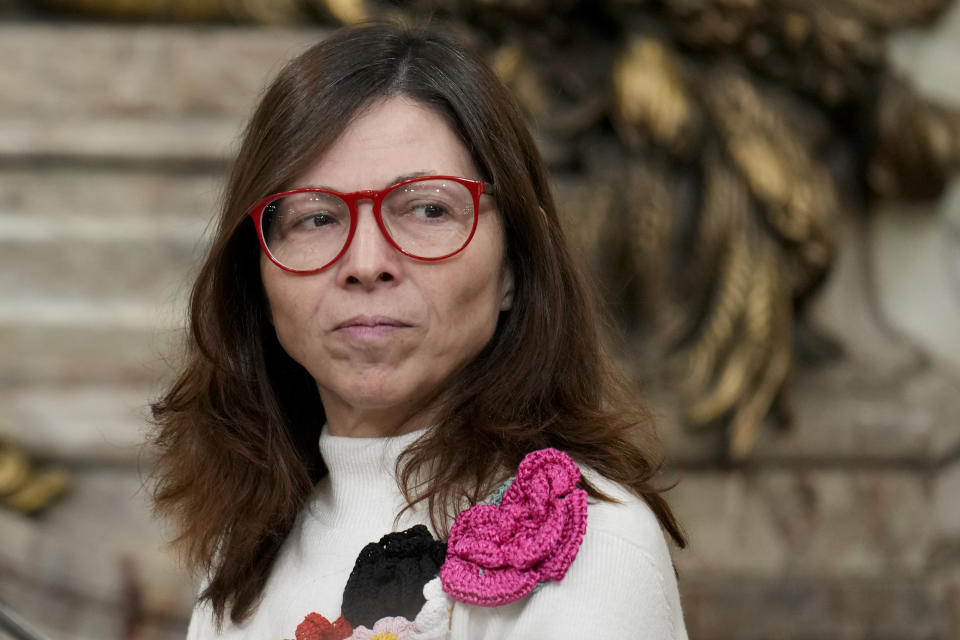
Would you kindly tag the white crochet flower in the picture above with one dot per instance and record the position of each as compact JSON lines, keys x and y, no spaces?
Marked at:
{"x":433,"y":621}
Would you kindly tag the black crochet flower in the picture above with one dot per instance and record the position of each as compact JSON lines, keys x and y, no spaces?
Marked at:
{"x":388,"y":577}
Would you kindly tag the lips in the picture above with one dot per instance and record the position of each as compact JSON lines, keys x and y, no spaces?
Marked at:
{"x":371,"y":322}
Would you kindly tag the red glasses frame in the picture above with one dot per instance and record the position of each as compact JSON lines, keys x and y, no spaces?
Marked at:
{"x":476,"y":188}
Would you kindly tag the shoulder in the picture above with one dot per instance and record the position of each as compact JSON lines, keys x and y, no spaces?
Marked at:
{"x":623,"y":568}
{"x":621,"y":583}
{"x":626,"y":517}
{"x":623,"y":536}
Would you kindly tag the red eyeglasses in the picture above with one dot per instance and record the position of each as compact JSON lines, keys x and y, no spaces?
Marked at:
{"x":426,"y":218}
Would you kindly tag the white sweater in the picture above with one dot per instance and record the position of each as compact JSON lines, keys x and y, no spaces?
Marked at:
{"x":621,"y":583}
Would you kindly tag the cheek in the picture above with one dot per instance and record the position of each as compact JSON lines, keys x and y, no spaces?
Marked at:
{"x":469,"y":310}
{"x":289,"y":313}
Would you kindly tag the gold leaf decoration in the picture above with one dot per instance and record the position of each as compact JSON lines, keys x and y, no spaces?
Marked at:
{"x":348,"y":11}
{"x":652,"y":96}
{"x":23,"y":487}
{"x":181,"y":10}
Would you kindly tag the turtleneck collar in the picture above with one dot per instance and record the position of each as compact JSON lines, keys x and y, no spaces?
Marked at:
{"x":361,"y":481}
{"x":348,"y":455}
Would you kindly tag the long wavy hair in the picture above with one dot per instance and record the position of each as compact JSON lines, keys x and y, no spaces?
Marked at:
{"x":236,"y":434}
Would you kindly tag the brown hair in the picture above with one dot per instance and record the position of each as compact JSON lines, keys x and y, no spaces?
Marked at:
{"x":237,"y":432}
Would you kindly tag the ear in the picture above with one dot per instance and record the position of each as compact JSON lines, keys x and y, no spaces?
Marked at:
{"x":506,"y":287}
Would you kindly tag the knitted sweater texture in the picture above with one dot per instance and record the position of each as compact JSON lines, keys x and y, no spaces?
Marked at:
{"x":619,"y":584}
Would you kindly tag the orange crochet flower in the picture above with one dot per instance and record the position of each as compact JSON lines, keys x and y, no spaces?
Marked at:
{"x":316,"y":627}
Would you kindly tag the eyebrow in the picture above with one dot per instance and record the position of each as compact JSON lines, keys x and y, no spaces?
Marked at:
{"x":396,"y":180}
{"x":415,"y":174}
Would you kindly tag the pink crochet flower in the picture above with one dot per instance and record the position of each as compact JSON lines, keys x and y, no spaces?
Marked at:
{"x":498,"y":554}
{"x":384,"y":629}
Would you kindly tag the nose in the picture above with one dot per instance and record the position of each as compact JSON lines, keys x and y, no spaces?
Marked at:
{"x":370,"y":259}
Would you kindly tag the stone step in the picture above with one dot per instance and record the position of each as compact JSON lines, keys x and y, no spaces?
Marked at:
{"x":901,"y":607}
{"x":138,"y":138}
{"x":835,"y":522}
{"x":94,"y":562}
{"x":149,"y":69}
{"x":147,"y":93}
{"x":61,"y":352}
{"x":115,"y":194}
{"x":78,"y":423}
{"x":81,"y":234}
{"x":835,"y":552}
{"x":139,"y":266}
{"x":85,"y":313}
{"x":842,"y":415}
{"x":79,"y":227}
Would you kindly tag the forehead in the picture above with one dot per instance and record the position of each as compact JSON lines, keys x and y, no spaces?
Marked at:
{"x":390,"y":139}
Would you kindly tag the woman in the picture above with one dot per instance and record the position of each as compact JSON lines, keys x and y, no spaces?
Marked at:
{"x":389,"y":278}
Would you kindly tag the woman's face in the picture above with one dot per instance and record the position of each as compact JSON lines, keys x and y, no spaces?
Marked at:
{"x":381,"y":332}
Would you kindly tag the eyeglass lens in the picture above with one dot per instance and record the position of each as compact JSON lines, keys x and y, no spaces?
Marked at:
{"x":425,"y":219}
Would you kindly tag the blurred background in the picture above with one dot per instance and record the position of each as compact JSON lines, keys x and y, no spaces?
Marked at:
{"x":766,"y":192}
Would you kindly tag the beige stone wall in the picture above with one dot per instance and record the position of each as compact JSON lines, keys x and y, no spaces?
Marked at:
{"x":113,"y":145}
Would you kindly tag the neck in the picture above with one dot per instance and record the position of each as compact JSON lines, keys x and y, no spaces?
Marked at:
{"x":374,"y":424}
{"x":353,"y":422}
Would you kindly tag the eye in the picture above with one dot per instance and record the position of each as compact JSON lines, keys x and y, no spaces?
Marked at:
{"x":302,"y":213}
{"x":430,"y":210}
{"x":427,"y":204}
{"x":315,"y":220}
